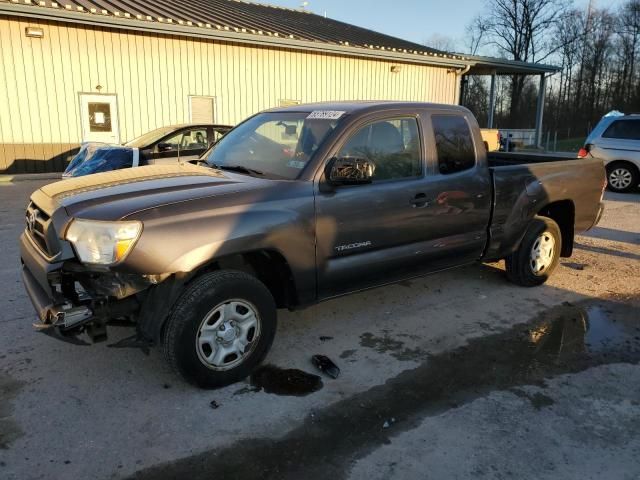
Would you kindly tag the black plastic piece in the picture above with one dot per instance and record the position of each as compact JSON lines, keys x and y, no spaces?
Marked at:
{"x":326,"y":365}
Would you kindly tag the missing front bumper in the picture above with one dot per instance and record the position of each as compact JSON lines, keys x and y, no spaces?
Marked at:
{"x":64,"y":316}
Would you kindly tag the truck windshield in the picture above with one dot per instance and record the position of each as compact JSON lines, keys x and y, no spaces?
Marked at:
{"x":276,"y":144}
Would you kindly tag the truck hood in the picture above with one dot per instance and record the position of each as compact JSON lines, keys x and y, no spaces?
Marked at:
{"x":117,"y":194}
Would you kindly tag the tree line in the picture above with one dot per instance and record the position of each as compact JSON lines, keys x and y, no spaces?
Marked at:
{"x":596,"y":49}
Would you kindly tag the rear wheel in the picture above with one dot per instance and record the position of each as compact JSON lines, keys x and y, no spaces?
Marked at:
{"x":538,"y":254}
{"x":622,"y":177}
{"x":220,"y":328}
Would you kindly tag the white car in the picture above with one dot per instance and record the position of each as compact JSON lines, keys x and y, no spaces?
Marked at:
{"x":616,"y":140}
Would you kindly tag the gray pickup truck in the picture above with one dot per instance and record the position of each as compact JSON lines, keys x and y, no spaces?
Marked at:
{"x":294,"y":206}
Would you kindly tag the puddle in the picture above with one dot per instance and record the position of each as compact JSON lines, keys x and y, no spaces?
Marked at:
{"x":564,"y":339}
{"x":573,"y":329}
{"x":281,"y":381}
{"x":9,"y":430}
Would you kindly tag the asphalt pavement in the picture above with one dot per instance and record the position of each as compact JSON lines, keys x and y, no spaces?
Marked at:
{"x":457,"y":375}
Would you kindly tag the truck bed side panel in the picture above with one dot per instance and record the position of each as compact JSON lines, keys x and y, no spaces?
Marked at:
{"x":522,"y":191}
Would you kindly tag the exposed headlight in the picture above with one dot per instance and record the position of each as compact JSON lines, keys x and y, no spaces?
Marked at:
{"x":102,"y":243}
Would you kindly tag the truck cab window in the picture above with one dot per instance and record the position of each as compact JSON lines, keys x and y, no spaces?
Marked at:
{"x":454,"y":143}
{"x":392,"y":145}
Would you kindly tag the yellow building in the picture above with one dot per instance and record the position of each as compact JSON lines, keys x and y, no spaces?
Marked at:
{"x":80,"y":70}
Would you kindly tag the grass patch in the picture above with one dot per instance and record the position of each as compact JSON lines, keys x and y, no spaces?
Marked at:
{"x":569,"y":145}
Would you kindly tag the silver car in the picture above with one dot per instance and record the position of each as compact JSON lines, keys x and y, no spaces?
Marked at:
{"x":616,"y":140}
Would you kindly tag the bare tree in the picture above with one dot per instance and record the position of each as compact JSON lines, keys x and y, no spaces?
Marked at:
{"x":476,"y":37}
{"x":519,"y":30}
{"x":441,"y":42}
{"x":597,"y":50}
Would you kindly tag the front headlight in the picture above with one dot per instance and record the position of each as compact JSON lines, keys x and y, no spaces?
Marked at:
{"x":102,"y":243}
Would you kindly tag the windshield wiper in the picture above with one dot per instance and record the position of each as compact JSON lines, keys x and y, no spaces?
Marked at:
{"x":238,"y":168}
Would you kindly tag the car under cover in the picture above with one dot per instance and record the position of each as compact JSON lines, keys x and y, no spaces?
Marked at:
{"x":100,"y":157}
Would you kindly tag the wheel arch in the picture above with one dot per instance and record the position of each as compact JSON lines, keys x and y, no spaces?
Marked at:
{"x":563,"y":212}
{"x":629,"y":163}
{"x":267,"y":265}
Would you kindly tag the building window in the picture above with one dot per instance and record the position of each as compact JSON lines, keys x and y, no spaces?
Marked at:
{"x":201,"y":109}
{"x":99,"y":117}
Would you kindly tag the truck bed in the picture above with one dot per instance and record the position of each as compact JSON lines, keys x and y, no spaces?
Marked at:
{"x":503,"y":159}
{"x":525,"y":183}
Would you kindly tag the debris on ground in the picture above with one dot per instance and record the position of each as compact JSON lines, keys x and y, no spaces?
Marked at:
{"x":575,"y":266}
{"x":214,"y":404}
{"x":324,"y":338}
{"x":388,"y":423}
{"x":326,"y":365}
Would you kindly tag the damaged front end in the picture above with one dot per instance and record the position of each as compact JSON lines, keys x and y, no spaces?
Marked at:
{"x":71,"y":298}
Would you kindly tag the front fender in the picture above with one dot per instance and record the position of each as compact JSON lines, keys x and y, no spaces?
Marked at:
{"x":183,"y":237}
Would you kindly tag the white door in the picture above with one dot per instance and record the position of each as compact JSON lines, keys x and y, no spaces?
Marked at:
{"x":99,"y":116}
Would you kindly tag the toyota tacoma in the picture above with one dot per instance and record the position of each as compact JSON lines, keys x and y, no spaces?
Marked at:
{"x":294,"y":206}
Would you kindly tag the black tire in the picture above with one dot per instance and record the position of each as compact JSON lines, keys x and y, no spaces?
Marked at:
{"x":200,"y":298}
{"x":622,"y":168}
{"x":518,"y":264}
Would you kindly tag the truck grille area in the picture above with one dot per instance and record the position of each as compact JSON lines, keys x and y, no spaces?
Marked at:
{"x":40,"y":229}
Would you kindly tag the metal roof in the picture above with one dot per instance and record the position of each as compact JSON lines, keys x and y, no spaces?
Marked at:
{"x":237,"y":16}
{"x":249,"y":23}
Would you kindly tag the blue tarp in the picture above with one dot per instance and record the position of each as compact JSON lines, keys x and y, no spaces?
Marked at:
{"x":99,"y":157}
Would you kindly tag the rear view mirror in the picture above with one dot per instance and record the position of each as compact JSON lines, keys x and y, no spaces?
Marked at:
{"x":349,"y":171}
{"x":165,"y":147}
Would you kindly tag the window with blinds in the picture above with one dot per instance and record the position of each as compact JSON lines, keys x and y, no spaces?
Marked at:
{"x":201,"y":109}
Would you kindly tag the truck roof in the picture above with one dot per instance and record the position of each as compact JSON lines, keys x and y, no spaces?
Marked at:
{"x":363,"y":106}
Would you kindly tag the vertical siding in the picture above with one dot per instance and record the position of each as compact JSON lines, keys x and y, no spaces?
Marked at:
{"x":153,"y":76}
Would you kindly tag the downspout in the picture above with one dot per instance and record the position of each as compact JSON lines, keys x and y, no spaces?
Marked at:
{"x":459,"y":74}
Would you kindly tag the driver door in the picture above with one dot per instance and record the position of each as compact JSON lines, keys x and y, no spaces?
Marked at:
{"x":367,"y":234}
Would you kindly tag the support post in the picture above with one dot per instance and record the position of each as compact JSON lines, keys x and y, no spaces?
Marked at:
{"x":540,"y":110}
{"x":492,"y":101}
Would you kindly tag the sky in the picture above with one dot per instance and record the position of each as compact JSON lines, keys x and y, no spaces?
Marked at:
{"x":415,"y":20}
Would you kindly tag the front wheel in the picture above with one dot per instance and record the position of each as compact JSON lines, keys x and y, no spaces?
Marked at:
{"x":220,"y":329}
{"x":538,"y":254}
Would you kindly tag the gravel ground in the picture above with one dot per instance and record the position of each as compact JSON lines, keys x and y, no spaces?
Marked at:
{"x":457,"y":375}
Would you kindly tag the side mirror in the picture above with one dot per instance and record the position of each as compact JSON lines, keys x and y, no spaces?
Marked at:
{"x":349,"y":171}
{"x":164,"y":147}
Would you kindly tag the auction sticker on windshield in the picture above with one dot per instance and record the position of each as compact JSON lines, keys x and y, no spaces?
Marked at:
{"x":326,"y":114}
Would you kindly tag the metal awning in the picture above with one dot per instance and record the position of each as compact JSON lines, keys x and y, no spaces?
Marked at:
{"x":497,"y":66}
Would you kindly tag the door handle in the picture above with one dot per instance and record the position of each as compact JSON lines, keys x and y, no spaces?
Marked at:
{"x":419,"y":200}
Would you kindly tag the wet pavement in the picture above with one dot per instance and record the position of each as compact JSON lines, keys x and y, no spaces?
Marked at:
{"x":568,"y":338}
{"x":458,"y":375}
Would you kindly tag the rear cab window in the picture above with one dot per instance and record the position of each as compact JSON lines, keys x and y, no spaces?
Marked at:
{"x":623,"y":129}
{"x":454,"y":143}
